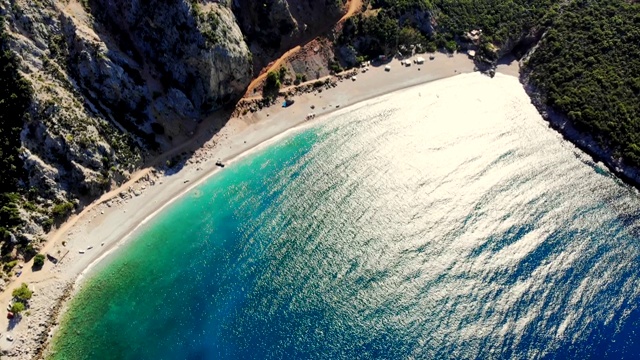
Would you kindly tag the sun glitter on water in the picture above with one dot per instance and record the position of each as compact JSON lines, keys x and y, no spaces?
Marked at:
{"x":442,"y":221}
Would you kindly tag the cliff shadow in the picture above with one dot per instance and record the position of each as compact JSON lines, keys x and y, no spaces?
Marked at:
{"x":188,"y":147}
{"x":507,"y":60}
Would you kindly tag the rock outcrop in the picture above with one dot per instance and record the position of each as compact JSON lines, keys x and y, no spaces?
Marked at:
{"x":191,"y":47}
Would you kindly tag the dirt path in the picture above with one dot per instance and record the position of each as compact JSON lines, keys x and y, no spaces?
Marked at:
{"x":273,"y":66}
{"x":354,"y":7}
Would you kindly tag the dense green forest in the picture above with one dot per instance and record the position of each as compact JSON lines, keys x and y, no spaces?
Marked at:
{"x":588,"y":64}
{"x":392,"y":23}
{"x":500,"y":20}
{"x":15,"y":97}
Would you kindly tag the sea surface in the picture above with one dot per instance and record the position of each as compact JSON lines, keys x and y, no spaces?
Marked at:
{"x":445,"y":221}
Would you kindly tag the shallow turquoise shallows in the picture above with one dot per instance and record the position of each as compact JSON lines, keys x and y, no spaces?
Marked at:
{"x":445,"y":221}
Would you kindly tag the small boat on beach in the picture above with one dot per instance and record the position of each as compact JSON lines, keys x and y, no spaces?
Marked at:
{"x":219,"y":163}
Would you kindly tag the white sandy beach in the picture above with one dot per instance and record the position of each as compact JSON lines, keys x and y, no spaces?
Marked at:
{"x":108,"y":222}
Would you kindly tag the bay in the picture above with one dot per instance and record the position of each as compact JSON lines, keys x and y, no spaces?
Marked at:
{"x":442,"y":221}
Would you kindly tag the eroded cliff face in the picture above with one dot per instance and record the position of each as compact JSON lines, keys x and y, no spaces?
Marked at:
{"x":195,"y":48}
{"x":273,"y":26}
{"x":114,"y":81}
{"x":70,"y":150}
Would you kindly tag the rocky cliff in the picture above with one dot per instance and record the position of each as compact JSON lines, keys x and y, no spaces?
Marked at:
{"x":113,"y":82}
{"x":274,"y":26}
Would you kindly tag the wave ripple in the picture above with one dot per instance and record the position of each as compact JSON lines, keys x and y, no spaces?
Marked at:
{"x":443,"y":221}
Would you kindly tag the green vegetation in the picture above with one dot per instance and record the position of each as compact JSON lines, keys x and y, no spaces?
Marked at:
{"x":300,"y":78}
{"x":17,"y":307}
{"x":85,"y":5}
{"x":62,"y":210}
{"x":588,"y":65}
{"x":282,"y":74}
{"x":38,"y":261}
{"x":8,"y":266}
{"x":209,"y":25}
{"x":29,"y":251}
{"x":15,"y":97}
{"x":22,"y":293}
{"x":58,"y":49}
{"x":335,"y":67}
{"x":378,"y":34}
{"x":500,"y":20}
{"x":9,"y":214}
{"x":272,"y":85}
{"x":399,"y":23}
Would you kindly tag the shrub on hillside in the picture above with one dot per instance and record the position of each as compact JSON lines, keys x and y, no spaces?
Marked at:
{"x":38,"y":261}
{"x":17,"y":307}
{"x":272,"y":85}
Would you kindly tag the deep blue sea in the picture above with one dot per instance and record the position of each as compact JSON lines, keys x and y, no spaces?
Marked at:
{"x":445,"y":221}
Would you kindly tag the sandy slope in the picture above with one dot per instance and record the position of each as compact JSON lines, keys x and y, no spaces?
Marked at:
{"x":107,"y":223}
{"x":354,"y":7}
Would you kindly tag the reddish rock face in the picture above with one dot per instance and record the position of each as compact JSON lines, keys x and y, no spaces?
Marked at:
{"x":273,"y":26}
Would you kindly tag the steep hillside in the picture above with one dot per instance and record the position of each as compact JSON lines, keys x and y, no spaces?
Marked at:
{"x":391,"y":25}
{"x":102,"y":86}
{"x":587,"y":67}
{"x":15,"y":95}
{"x":275,"y":26}
{"x":95,"y":88}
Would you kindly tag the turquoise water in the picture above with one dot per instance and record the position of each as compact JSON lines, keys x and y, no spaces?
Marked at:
{"x":445,"y":221}
{"x":195,"y":261}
